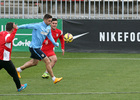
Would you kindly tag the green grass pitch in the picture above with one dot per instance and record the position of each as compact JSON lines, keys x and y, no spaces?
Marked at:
{"x":86,"y":76}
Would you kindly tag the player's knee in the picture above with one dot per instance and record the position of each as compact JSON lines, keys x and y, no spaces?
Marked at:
{"x":47,"y":61}
{"x":34,"y":64}
{"x":54,"y":59}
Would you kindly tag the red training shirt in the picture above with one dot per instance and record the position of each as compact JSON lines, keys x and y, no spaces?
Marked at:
{"x":55,"y":34}
{"x":6,"y":44}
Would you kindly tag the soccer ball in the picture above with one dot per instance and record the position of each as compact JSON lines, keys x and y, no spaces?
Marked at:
{"x":68,"y":37}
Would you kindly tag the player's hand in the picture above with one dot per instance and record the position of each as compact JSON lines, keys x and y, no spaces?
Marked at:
{"x":63,"y":51}
{"x":46,"y":42}
{"x":57,"y":44}
{"x":15,"y":26}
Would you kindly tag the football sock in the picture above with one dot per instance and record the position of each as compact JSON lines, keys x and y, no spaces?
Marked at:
{"x":19,"y":69}
{"x":46,"y":72}
{"x":53,"y":78}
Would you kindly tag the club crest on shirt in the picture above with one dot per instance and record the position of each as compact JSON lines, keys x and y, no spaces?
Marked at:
{"x":42,"y":55}
{"x":57,"y":34}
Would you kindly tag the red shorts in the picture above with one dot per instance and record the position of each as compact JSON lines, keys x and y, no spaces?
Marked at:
{"x":49,"y":53}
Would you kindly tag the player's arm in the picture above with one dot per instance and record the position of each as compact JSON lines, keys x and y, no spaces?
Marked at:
{"x":61,"y":38}
{"x":10,"y":37}
{"x":45,"y":41}
{"x":27,"y":26}
{"x":51,"y":39}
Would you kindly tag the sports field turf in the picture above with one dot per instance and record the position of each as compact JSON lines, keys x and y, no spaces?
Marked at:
{"x":86,"y":76}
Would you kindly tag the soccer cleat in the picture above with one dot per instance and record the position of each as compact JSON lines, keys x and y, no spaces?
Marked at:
{"x":45,"y":75}
{"x":22,"y":87}
{"x":57,"y":80}
{"x":18,"y":73}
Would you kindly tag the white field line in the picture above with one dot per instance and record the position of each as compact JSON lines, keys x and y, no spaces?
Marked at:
{"x":90,"y":58}
{"x":80,"y":93}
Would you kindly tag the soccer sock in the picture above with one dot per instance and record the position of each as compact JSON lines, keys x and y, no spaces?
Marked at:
{"x":53,"y":78}
{"x":46,"y":72}
{"x":19,"y":69}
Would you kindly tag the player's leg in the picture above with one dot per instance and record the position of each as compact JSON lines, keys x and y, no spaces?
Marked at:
{"x":53,"y":59}
{"x":48,"y":66}
{"x":49,"y":69}
{"x":30,"y":63}
{"x":10,"y":68}
{"x":1,"y":64}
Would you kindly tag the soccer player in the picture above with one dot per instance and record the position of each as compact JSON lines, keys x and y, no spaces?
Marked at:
{"x":39,"y":33}
{"x":48,"y":47}
{"x":6,"y":38}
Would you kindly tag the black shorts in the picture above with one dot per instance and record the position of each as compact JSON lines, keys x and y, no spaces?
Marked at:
{"x":36,"y":53}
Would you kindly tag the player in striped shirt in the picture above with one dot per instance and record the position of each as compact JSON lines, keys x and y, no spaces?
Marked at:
{"x":6,"y":38}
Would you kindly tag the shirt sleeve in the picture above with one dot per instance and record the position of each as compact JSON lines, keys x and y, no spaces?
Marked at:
{"x":27,"y":26}
{"x":61,"y":38}
{"x":10,"y":37}
{"x":51,"y":38}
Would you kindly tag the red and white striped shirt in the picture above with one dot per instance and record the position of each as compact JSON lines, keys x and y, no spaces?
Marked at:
{"x":6,"y":44}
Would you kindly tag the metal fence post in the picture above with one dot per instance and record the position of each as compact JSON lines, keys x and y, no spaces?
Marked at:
{"x":132,"y":9}
{"x":103,"y":8}
{"x":70,"y":9}
{"x":99,"y":9}
{"x":28,"y":9}
{"x":122,"y":9}
{"x":51,"y":7}
{"x":84,"y":8}
{"x":94,"y":9}
{"x":37,"y":9}
{"x":118,"y":9}
{"x":127,"y":9}
{"x":113,"y":8}
{"x":32,"y":8}
{"x":23,"y":9}
{"x":108,"y":9}
{"x":4,"y":8}
{"x":61,"y":9}
{"x":79,"y":8}
{"x":137,"y":9}
{"x":75,"y":9}
{"x":13,"y":8}
{"x":65,"y":9}
{"x":56,"y":8}
{"x":46,"y":6}
{"x":9,"y":8}
{"x":89,"y":9}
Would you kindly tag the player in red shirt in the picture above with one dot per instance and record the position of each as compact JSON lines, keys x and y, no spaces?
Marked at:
{"x":6,"y":38}
{"x":48,"y":47}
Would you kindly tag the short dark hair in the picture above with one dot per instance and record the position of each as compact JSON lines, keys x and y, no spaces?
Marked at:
{"x":9,"y":26}
{"x":54,"y":19}
{"x":47,"y":16}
